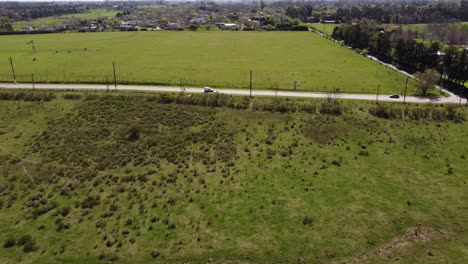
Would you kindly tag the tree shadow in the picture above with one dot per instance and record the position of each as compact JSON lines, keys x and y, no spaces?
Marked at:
{"x":457,"y":89}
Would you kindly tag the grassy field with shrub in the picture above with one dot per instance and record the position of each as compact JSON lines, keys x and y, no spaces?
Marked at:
{"x":219,"y":59}
{"x":95,"y":177}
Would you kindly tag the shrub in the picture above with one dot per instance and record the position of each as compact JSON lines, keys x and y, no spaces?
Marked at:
{"x":64,"y":211}
{"x":331,"y":107}
{"x":364,"y":153}
{"x":386,"y":111}
{"x":24,"y":239}
{"x":307,"y":221}
{"x":90,"y":202}
{"x":133,"y":133}
{"x":30,"y":246}
{"x":10,"y":242}
{"x":72,"y":96}
{"x":154,"y":254}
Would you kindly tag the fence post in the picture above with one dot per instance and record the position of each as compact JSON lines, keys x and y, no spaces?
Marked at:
{"x":115,"y":78}
{"x":406,"y":88}
{"x":13,"y":70}
{"x":378,"y":91}
{"x":250,"y":83}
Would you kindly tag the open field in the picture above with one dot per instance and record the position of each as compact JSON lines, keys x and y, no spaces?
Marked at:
{"x":135,"y":177}
{"x":57,"y":20}
{"x":325,"y":28}
{"x":423,"y":27}
{"x":219,"y":59}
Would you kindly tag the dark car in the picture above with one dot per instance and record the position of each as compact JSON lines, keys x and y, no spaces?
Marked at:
{"x":208,"y":90}
{"x":396,"y":96}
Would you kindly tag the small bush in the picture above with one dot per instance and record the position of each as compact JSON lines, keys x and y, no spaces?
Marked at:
{"x":154,"y":254}
{"x":24,"y":239}
{"x":90,"y":201}
{"x":72,"y":96}
{"x":364,"y":153}
{"x":64,"y":211}
{"x":307,"y":221}
{"x":10,"y":242}
{"x":331,"y":107}
{"x":134,"y":132}
{"x":30,"y":246}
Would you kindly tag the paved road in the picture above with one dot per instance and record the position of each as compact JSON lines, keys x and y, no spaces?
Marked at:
{"x":371,"y":97}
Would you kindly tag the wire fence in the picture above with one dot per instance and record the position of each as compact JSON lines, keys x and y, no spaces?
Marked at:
{"x":260,"y":81}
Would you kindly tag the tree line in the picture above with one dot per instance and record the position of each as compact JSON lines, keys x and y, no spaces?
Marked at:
{"x":406,"y":13}
{"x":409,"y":54}
{"x":388,"y":12}
{"x":6,"y":27}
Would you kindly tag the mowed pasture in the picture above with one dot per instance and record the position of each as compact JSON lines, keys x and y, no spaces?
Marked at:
{"x":219,"y":59}
{"x":143,"y":178}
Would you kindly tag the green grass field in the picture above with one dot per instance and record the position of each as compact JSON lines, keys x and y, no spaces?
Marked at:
{"x":219,"y":59}
{"x":57,"y":20}
{"x":423,"y":27}
{"x":325,"y":28}
{"x":128,"y":177}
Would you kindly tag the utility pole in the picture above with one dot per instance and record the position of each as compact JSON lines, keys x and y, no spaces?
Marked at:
{"x":461,"y":91}
{"x":13,"y":70}
{"x":115,"y":78}
{"x":250,"y":83}
{"x":32,"y":77}
{"x":406,"y":88}
{"x":378,"y":92}
{"x":47,"y":76}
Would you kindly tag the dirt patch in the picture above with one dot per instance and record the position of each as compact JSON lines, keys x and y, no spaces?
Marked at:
{"x":419,"y":234}
{"x":398,"y":244}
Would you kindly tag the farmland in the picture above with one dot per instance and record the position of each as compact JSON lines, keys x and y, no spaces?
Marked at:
{"x":57,"y":20}
{"x":219,"y":59}
{"x":135,"y":177}
{"x":324,"y":28}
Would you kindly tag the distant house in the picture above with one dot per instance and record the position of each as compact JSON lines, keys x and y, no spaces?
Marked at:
{"x":127,"y":26}
{"x":313,"y":19}
{"x":227,"y":26}
{"x":198,"y":20}
{"x":93,"y":26}
{"x":173,"y":26}
{"x":252,"y":23}
{"x":28,"y":28}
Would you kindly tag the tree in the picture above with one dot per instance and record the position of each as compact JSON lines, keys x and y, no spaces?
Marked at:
{"x":262,"y":5}
{"x":427,"y":80}
{"x":134,"y":132}
{"x":461,"y":74}
{"x":464,"y":10}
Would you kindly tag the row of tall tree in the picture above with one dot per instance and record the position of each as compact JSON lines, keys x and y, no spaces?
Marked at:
{"x":398,"y":12}
{"x":6,"y":27}
{"x":406,"y":12}
{"x":408,"y":53}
